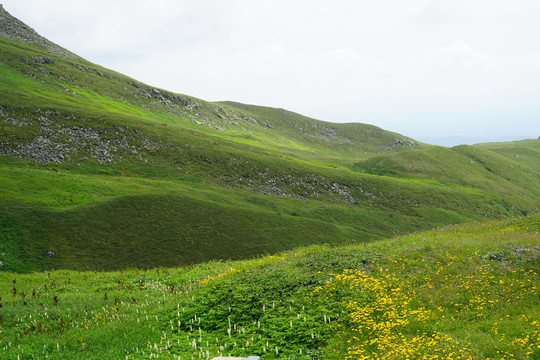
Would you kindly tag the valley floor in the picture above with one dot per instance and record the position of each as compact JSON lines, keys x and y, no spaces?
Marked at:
{"x":468,"y":292}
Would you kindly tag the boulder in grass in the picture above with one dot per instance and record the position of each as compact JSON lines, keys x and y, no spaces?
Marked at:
{"x":236,"y":358}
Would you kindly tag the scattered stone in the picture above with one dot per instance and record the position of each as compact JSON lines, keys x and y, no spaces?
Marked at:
{"x":236,"y":358}
{"x":15,"y":122}
{"x":57,"y":144}
{"x":51,"y":254}
{"x":322,"y":132}
{"x":43,"y":60}
{"x":172,"y":102}
{"x":306,"y":186}
{"x":405,"y":142}
{"x":37,"y":60}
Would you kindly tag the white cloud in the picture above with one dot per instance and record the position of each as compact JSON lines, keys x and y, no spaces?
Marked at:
{"x":460,"y":54}
{"x":471,"y":10}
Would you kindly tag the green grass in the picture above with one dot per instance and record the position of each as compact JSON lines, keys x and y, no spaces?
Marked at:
{"x":325,"y":142}
{"x":196,"y":181}
{"x":471,"y":290}
{"x":149,"y":179}
{"x":468,"y":166}
{"x":113,"y":221}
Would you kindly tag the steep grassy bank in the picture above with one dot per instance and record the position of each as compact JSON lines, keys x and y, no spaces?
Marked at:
{"x":100,"y":221}
{"x":459,"y":293}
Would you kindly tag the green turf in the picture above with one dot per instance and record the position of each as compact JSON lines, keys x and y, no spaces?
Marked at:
{"x":470,"y":291}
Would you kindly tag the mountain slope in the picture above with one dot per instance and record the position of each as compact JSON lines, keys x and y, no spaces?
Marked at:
{"x":470,"y":166}
{"x":338,"y":143}
{"x":109,"y":173}
{"x":526,"y":153}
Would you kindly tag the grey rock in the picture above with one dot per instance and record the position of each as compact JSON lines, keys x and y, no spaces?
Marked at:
{"x":42,"y":60}
{"x":15,"y":122}
{"x":306,"y":186}
{"x":39,"y":60}
{"x":57,"y":144}
{"x":51,"y":254}
{"x":236,"y":358}
{"x":405,"y":142}
{"x":172,"y":102}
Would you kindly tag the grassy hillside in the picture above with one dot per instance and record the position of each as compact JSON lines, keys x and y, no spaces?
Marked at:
{"x":526,"y":152}
{"x":467,"y":292}
{"x":487,"y":168}
{"x":324,"y":141}
{"x":64,"y":83}
{"x":109,"y":173}
{"x":112,"y":222}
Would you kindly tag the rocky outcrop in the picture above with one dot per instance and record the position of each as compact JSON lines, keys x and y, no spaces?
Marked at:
{"x":298,"y":186}
{"x":15,"y":29}
{"x":322,"y":132}
{"x":56,"y":143}
{"x":405,"y":142}
{"x":172,"y":102}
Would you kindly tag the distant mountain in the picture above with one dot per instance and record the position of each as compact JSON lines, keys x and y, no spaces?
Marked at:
{"x":464,"y":140}
{"x":100,"y":171}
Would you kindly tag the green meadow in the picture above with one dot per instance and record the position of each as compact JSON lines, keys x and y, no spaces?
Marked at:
{"x":467,"y":292}
{"x":136,"y":223}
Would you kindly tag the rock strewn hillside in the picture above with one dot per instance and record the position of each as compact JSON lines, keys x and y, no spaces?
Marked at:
{"x":12,"y":28}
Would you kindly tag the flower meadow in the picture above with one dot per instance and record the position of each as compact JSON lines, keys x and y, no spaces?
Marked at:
{"x":467,"y":292}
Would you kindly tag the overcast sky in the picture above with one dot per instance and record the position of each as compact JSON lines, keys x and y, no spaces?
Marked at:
{"x":427,"y":69}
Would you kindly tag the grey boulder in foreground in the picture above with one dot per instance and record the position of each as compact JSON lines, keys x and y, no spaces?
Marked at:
{"x":237,"y":358}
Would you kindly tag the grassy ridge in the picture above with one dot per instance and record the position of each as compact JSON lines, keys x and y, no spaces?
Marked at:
{"x":470,"y":166}
{"x":460,"y":293}
{"x":114,"y":222}
{"x":525,"y":152}
{"x":68,"y":83}
{"x":336,"y":143}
